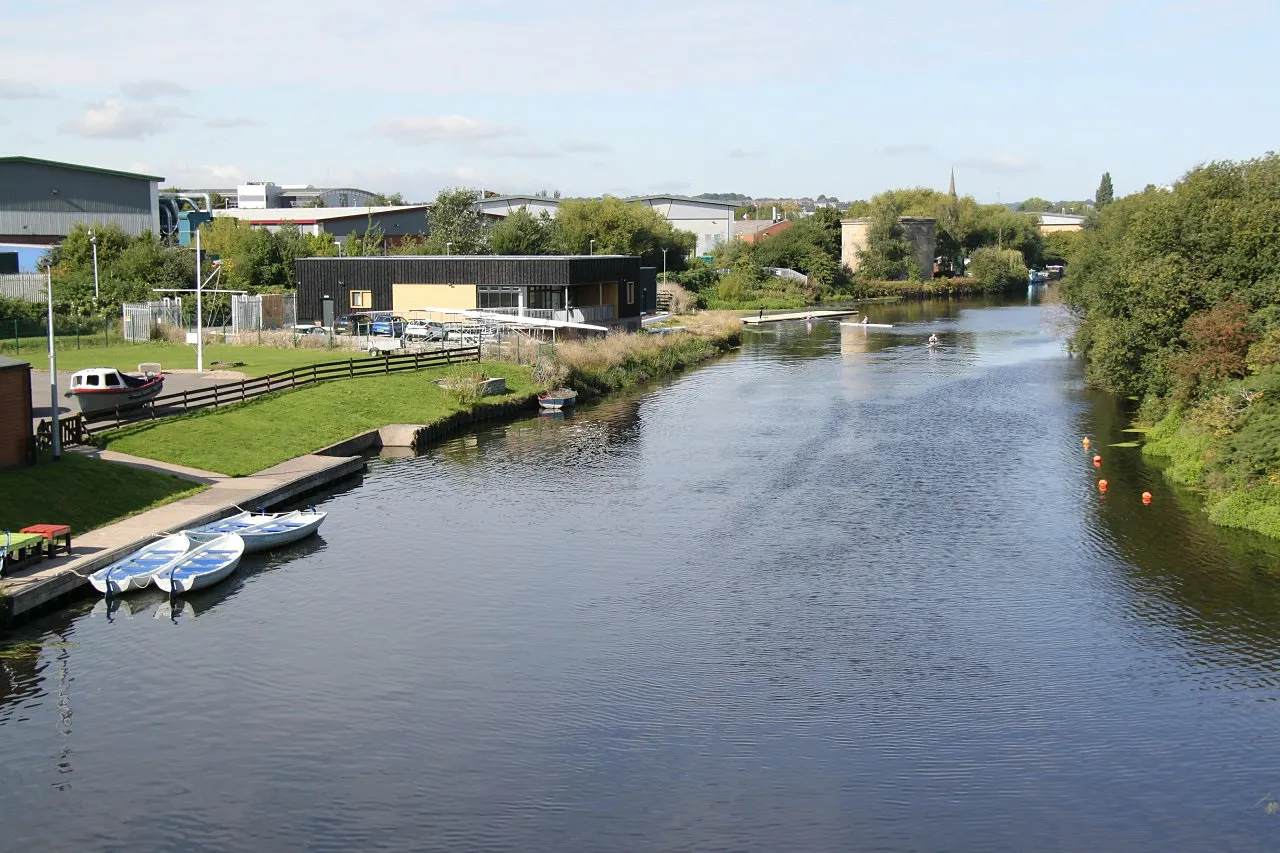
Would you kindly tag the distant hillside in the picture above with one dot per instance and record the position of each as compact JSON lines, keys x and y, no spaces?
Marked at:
{"x":724,"y":196}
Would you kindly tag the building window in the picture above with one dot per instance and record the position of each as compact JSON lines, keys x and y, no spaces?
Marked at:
{"x":492,"y":296}
{"x":631,"y":293}
{"x":545,"y":298}
{"x":361,"y":299}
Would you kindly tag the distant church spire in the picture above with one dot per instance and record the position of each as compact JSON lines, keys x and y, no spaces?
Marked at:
{"x":952,"y":190}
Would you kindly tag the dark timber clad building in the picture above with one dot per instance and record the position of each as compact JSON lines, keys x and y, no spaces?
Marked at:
{"x":607,"y":290}
{"x":41,"y":201}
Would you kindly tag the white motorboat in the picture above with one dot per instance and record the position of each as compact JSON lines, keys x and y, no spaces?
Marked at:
{"x":136,"y":570}
{"x":203,"y":566}
{"x":105,"y":389}
{"x":262,"y":532}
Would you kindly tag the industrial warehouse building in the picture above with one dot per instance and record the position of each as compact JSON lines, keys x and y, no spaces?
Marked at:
{"x":17,"y":444}
{"x":41,"y":201}
{"x":606,"y":290}
{"x":396,"y":223}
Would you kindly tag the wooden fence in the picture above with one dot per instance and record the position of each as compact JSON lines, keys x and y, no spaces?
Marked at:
{"x":77,"y":429}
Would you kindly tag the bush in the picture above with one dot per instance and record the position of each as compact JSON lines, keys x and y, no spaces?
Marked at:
{"x":997,"y":269}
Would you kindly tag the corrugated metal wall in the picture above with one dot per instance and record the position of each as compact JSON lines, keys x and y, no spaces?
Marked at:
{"x":337,"y":277}
{"x":44,"y":200}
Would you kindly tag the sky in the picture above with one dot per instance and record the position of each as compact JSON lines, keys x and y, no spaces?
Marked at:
{"x":770,"y":99}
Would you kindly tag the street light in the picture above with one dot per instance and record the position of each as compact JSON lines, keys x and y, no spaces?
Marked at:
{"x":447,"y":247}
{"x":591,"y":247}
{"x":664,"y":265}
{"x":53,"y":368}
{"x":93,"y":241}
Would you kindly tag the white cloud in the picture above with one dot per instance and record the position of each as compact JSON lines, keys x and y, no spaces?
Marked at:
{"x":583,"y":146}
{"x":16,"y":90}
{"x":1002,"y":164}
{"x":111,"y":119}
{"x":147,"y":90}
{"x":425,"y":130}
{"x":742,"y":153}
{"x":224,"y":122}
{"x":203,"y":175}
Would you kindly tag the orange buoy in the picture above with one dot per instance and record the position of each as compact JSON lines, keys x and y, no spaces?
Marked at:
{"x":1102,"y":485}
{"x":1085,"y":442}
{"x":1097,"y":461}
{"x":1146,"y":497}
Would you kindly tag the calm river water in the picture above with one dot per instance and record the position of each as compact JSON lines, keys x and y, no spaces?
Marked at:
{"x":835,"y":591}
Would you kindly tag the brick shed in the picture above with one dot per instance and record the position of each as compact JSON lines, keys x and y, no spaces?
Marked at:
{"x":17,"y":444}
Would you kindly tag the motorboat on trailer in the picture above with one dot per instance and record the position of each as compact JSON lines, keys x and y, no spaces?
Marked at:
{"x":203,"y":566}
{"x":262,"y":531}
{"x":104,"y":389}
{"x":135,"y":571}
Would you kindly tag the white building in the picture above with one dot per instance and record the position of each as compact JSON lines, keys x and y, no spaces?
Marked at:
{"x":504,"y":205}
{"x":711,"y":221}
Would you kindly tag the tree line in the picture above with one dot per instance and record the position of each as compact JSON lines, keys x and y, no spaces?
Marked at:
{"x":1176,"y":293}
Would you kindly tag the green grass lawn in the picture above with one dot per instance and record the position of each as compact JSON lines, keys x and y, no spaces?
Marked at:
{"x":249,"y":437}
{"x":258,"y":361}
{"x":82,"y":492}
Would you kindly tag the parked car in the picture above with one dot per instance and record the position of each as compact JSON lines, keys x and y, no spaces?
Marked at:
{"x":344,"y":325}
{"x":387,"y":324}
{"x":426,"y":330}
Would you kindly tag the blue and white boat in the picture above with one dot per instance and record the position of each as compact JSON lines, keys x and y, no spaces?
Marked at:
{"x":203,"y":566}
{"x":264,"y":531}
{"x":136,"y":570}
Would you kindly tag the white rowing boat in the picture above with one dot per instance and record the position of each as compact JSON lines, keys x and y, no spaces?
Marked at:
{"x":262,"y":532}
{"x":203,"y":566}
{"x":136,"y":570}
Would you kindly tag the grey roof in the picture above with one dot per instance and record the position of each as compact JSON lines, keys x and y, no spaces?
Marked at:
{"x":7,"y":363}
{"x":57,"y":164}
{"x":669,"y":197}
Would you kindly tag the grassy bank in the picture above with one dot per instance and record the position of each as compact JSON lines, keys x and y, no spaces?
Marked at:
{"x":621,"y":361}
{"x":82,"y":492}
{"x":1197,"y":453}
{"x":249,"y":437}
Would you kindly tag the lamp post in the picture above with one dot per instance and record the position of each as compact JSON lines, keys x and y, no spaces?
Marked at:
{"x":664,"y":265}
{"x":591,"y":247}
{"x":93,"y":241}
{"x":199,"y":312}
{"x":447,"y":247}
{"x":339,"y":245}
{"x":53,"y":367}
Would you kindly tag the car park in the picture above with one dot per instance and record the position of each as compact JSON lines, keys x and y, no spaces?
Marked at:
{"x":345,"y":325}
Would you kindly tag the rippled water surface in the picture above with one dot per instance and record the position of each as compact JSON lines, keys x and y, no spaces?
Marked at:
{"x":836,"y":591}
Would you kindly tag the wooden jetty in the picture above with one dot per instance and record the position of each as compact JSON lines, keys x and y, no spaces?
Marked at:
{"x":756,"y":320}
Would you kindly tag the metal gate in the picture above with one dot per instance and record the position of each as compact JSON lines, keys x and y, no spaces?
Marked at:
{"x":264,"y":311}
{"x":141,"y":318}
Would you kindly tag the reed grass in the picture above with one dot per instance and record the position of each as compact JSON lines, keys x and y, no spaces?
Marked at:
{"x":618,"y":361}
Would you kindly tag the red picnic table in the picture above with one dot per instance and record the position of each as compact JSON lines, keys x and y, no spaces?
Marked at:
{"x":52,"y":533}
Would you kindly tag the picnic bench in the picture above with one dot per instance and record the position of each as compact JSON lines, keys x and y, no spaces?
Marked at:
{"x":55,"y":536}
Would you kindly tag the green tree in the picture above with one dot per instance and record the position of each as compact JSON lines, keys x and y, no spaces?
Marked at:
{"x":370,"y":242}
{"x":1105,"y":194}
{"x":384,"y":200}
{"x":621,"y":228}
{"x":457,"y":228}
{"x":522,"y":233}
{"x":997,"y":269}
{"x":1035,"y":204}
{"x":887,"y":251}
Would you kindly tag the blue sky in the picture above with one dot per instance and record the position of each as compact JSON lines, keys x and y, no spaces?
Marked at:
{"x":1022,"y":97}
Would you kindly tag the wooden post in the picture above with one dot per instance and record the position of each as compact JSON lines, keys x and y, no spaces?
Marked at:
{"x":242,"y":391}
{"x":351,"y":368}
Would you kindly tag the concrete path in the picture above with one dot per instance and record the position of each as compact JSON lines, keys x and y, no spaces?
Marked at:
{"x":799,"y":315}
{"x":26,"y":587}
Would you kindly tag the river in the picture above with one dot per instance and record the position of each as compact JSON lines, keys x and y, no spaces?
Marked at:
{"x":835,"y":591}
